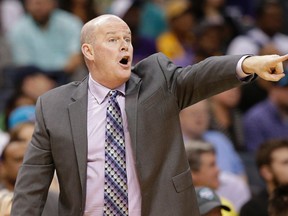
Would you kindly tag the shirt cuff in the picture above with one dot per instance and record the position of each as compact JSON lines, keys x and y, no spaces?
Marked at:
{"x":241,"y":75}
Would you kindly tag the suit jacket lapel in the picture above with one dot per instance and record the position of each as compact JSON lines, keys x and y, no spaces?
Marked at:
{"x":78,"y":119}
{"x":131,"y":101}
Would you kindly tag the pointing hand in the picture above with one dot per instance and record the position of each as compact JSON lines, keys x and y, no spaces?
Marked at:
{"x":268,"y":67}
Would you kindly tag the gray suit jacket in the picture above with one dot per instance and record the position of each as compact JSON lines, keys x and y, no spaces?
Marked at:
{"x":155,"y":94}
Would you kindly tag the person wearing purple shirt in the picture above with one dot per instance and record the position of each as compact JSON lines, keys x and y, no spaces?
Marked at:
{"x":268,"y":119}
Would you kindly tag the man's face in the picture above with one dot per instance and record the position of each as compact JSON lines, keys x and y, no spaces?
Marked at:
{"x":40,"y":10}
{"x":279,"y":166}
{"x":26,"y":132}
{"x":272,"y":19}
{"x":13,"y":159}
{"x":112,"y":52}
{"x":195,"y":119}
{"x":208,"y":173}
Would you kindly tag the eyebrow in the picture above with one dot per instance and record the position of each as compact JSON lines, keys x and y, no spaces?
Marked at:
{"x":113,"y":33}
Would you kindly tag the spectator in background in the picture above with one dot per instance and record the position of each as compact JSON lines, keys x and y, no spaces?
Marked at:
{"x":209,"y":202}
{"x":34,"y":82}
{"x":11,"y":160}
{"x":48,"y":38}
{"x":209,"y":37}
{"x":177,"y":41}
{"x":27,"y":84}
{"x":268,"y":119}
{"x":271,"y":159}
{"x":278,"y":202}
{"x":265,"y":120}
{"x":142,"y":46}
{"x":205,"y":172}
{"x":215,"y":11}
{"x":226,"y":117}
{"x":265,"y":38}
{"x":22,"y":131}
{"x":195,"y":125}
{"x":21,"y":114}
{"x":15,"y":102}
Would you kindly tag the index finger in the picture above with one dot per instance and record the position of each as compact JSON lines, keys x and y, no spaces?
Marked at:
{"x":281,"y":58}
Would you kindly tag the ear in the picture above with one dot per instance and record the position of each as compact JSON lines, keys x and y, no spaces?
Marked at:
{"x":87,"y":51}
{"x":266,"y":173}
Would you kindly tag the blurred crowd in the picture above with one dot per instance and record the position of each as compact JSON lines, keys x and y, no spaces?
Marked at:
{"x":237,"y":141}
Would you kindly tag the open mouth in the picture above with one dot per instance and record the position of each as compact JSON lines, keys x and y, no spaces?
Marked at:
{"x":124,"y":60}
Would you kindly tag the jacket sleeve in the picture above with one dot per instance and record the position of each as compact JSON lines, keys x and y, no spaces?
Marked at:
{"x":202,"y":80}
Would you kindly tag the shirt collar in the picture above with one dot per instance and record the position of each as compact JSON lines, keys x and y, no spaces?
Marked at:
{"x":99,"y":91}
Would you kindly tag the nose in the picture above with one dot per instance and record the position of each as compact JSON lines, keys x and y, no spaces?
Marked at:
{"x":124,"y":45}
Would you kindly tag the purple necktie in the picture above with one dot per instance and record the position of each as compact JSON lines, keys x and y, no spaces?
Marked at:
{"x":115,"y":187}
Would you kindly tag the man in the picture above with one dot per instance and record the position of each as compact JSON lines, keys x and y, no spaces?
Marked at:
{"x":267,"y":119}
{"x":195,"y":123}
{"x":11,"y":160}
{"x":48,"y":38}
{"x":271,"y":159}
{"x":205,"y":172}
{"x":70,"y":129}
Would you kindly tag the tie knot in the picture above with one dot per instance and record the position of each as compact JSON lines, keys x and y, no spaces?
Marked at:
{"x":113,"y":93}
